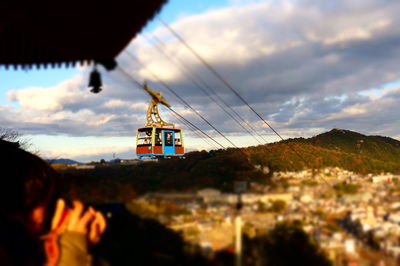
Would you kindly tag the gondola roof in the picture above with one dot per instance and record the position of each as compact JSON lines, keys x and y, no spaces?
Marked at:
{"x":43,"y":33}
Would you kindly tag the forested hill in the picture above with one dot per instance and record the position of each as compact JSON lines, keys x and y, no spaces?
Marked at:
{"x":338,"y":147}
{"x":218,"y":168}
{"x":378,"y":147}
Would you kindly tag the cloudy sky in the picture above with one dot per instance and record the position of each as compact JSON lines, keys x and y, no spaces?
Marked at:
{"x":306,"y":66}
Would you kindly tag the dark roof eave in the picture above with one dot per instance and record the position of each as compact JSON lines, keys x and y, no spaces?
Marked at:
{"x":52,"y":35}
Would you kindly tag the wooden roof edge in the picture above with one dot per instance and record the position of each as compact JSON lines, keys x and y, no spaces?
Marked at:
{"x":108,"y":64}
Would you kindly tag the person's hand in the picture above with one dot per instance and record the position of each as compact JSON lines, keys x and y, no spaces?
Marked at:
{"x":90,"y":222}
{"x":80,"y":220}
{"x":59,"y":221}
{"x":97,"y":227}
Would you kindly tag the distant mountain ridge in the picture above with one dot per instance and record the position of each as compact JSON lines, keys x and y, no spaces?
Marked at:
{"x":62,"y":160}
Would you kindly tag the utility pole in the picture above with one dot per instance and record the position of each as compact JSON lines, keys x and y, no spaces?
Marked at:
{"x":240,"y":187}
{"x":238,"y":231}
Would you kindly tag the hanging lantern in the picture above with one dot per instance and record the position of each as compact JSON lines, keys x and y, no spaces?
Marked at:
{"x":95,"y":81}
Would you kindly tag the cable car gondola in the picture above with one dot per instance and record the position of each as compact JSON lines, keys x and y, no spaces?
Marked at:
{"x":158,"y":139}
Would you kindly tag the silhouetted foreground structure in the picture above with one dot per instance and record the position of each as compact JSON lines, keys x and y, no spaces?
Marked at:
{"x":45,"y":32}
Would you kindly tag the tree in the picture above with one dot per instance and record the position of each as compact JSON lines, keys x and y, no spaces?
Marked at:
{"x":346,"y":188}
{"x":12,"y":136}
{"x":278,"y":206}
{"x":286,"y":244}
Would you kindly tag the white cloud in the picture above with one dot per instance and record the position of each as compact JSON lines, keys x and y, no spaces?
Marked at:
{"x":354,"y":110}
{"x":116,"y":103}
{"x":49,"y":99}
{"x":350,"y":34}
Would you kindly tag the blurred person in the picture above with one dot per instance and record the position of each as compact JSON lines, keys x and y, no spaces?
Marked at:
{"x":36,"y":228}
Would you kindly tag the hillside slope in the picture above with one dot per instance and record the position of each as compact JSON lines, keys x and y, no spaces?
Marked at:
{"x":343,"y":148}
{"x":218,"y":168}
{"x":377,"y":147}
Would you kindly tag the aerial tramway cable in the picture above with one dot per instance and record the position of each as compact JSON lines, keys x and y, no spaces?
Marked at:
{"x":180,"y":98}
{"x":216,"y":94}
{"x":227,"y":84}
{"x":190,"y":123}
{"x":173,"y":111}
{"x":194,"y":130}
{"x":215,"y":72}
{"x":192,"y":77}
